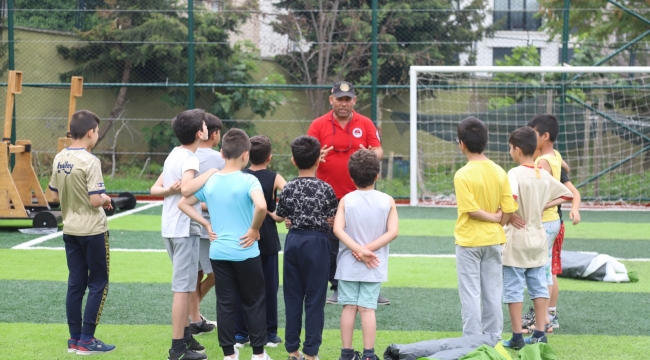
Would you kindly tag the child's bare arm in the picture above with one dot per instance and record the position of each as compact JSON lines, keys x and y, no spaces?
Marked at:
{"x":186,"y":205}
{"x":545,"y":165}
{"x":279,"y":182}
{"x":556,"y":202}
{"x":275,"y":217}
{"x":485,"y":216}
{"x":191,"y":184}
{"x":157,"y":188}
{"x":392,"y":228}
{"x":363,"y":253}
{"x":253,"y":233}
{"x":505,"y":217}
{"x":575,"y":203}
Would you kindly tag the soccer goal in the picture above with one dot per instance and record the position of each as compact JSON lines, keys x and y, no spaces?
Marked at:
{"x":604,"y":116}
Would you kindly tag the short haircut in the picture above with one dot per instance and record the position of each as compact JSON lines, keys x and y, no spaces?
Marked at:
{"x":81,"y":122}
{"x":306,"y":151}
{"x":187,"y":124}
{"x":234,"y":143}
{"x":525,"y":139}
{"x":364,"y":167}
{"x":213,"y":123}
{"x":260,"y":149}
{"x":474,"y":134}
{"x":545,"y":123}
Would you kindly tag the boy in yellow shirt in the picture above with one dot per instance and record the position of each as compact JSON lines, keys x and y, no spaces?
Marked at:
{"x":485,"y":203}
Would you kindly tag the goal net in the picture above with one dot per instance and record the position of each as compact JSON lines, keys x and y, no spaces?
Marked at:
{"x":604,"y":115}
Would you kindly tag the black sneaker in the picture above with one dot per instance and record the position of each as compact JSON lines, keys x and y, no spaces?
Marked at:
{"x":195,"y":346}
{"x":382,"y":300}
{"x":186,"y":354}
{"x":273,"y":341}
{"x":514,"y":345}
{"x":201,"y":328}
{"x":241,"y":341}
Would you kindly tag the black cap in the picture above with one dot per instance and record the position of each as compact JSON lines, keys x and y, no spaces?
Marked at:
{"x":343,"y":88}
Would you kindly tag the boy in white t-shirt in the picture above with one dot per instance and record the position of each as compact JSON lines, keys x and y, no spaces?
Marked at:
{"x":208,"y":159}
{"x":180,"y":235}
{"x":525,"y":251}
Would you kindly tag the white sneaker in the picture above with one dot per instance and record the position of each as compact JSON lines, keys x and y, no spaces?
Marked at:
{"x":233,"y":358}
{"x":265,"y":356}
{"x":209,"y":321}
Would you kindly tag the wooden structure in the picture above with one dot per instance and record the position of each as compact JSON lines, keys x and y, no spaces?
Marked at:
{"x":21,"y":196}
{"x":76,"y":90}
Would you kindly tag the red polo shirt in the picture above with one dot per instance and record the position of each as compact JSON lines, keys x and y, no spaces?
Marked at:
{"x":346,"y":140}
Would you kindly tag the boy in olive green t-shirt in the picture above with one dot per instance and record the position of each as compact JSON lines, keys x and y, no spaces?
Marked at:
{"x":485,"y":203}
{"x":78,"y":185}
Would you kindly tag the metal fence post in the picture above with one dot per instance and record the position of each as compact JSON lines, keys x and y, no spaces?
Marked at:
{"x":561,"y":140}
{"x":373,"y":96}
{"x":12,"y":66}
{"x":190,"y":54}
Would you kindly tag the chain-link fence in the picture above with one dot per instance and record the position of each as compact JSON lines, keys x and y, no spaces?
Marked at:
{"x":265,"y":66}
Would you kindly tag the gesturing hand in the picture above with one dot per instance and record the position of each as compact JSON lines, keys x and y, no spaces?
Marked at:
{"x":211,"y":234}
{"x":324,"y":151}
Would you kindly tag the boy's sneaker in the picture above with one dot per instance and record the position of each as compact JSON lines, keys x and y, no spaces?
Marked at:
{"x":195,"y":345}
{"x":555,"y":323}
{"x":209,"y":321}
{"x":382,"y":300}
{"x":514,"y":345}
{"x":301,"y":357}
{"x":534,"y":340}
{"x":334,"y":298}
{"x":241,"y":341}
{"x":273,"y":341}
{"x":236,"y":356}
{"x":72,"y":345}
{"x":94,"y":346}
{"x":201,"y":328}
{"x":356,"y":356}
{"x":186,"y":354}
{"x":264,"y":357}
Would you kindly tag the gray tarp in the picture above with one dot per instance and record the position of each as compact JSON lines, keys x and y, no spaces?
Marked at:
{"x":443,"y":349}
{"x":591,"y":266}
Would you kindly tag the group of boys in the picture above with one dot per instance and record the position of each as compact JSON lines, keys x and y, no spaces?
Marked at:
{"x":244,"y":243}
{"x":237,"y":250}
{"x":507,"y":230}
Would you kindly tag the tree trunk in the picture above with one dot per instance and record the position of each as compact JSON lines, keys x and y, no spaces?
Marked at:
{"x":118,"y":107}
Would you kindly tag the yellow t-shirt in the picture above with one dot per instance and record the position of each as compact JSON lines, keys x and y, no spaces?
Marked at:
{"x":76,"y":174}
{"x":551,"y":214}
{"x":481,"y":185}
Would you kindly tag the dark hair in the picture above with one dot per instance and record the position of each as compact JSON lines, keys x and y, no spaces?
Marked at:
{"x":234,"y":143}
{"x":525,"y":139}
{"x":260,"y":149}
{"x":187,"y":124}
{"x":306,"y":151}
{"x":81,"y":122}
{"x":545,"y":123}
{"x":474,"y":134}
{"x":364,"y":167}
{"x":213,"y":123}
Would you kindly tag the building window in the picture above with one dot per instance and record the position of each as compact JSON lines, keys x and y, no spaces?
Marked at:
{"x":559,"y":55}
{"x":499,"y":53}
{"x":516,"y":15}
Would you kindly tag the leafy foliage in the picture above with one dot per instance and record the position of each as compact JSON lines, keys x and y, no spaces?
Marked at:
{"x":521,"y":56}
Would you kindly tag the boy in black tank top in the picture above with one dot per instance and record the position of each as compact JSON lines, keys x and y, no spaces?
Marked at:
{"x":269,"y":243}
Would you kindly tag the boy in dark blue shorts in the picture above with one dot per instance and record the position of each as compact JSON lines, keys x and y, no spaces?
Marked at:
{"x":308,"y":202}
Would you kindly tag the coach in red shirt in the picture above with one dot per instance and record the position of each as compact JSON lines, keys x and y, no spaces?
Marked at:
{"x":341,"y":132}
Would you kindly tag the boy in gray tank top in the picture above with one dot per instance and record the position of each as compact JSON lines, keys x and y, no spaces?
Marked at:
{"x":366,"y":221}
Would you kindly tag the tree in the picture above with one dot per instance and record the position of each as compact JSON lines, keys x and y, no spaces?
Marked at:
{"x":150,"y":46}
{"x":332,"y":39}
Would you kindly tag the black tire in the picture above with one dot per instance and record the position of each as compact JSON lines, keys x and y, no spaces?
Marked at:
{"x":45,"y":219}
{"x":130,"y":202}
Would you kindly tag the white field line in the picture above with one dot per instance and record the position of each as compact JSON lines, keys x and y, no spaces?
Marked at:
{"x":28,"y":245}
{"x":432,"y":256}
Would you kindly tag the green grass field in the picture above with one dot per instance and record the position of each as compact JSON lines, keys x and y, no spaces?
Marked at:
{"x":598,"y":320}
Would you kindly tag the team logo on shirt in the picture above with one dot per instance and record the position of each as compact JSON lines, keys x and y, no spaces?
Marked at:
{"x":357,"y":133}
{"x":65,"y":167}
{"x":100,"y":184}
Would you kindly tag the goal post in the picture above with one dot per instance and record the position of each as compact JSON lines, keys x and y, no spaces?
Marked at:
{"x":604,"y":116}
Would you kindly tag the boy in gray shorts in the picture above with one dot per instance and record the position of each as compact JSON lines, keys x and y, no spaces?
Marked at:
{"x":366,"y":221}
{"x":208,"y":159}
{"x":180,"y":235}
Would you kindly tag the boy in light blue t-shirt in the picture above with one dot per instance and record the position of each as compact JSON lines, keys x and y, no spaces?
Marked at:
{"x":237,"y":209}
